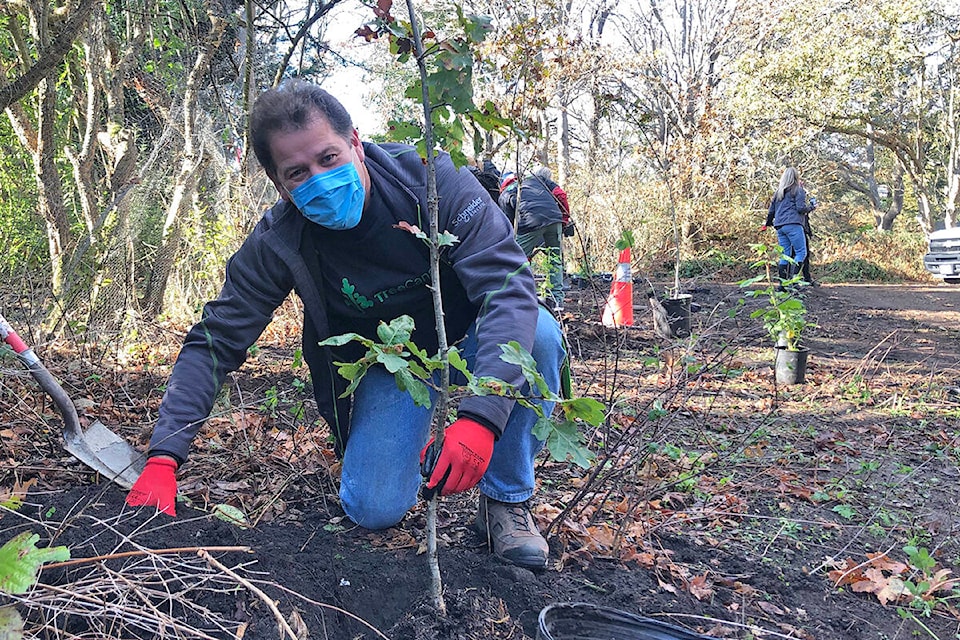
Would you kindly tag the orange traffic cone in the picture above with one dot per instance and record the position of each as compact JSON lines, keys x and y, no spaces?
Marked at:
{"x":618,"y":310}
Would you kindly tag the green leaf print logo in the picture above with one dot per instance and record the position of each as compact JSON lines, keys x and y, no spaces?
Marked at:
{"x":357,"y":300}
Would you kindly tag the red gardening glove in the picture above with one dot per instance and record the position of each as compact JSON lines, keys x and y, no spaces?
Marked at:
{"x":156,"y":486}
{"x":467,"y":447}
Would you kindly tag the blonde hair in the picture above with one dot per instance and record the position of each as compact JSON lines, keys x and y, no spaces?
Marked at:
{"x":788,"y":180}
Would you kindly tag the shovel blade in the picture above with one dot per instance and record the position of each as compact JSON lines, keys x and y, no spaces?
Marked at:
{"x":109,"y":454}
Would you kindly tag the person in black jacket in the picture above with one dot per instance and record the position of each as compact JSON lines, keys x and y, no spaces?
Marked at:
{"x":787,"y":211}
{"x":807,"y":236}
{"x":539,"y":222}
{"x":488,"y":176}
{"x":339,"y":237}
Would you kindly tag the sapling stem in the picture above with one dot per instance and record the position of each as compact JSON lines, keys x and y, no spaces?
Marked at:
{"x":440,"y":412}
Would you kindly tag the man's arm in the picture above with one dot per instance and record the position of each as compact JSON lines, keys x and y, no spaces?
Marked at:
{"x":256,"y":284}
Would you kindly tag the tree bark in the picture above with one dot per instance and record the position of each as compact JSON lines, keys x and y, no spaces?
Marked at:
{"x":186,"y":183}
{"x":50,"y":56}
{"x":52,"y":208}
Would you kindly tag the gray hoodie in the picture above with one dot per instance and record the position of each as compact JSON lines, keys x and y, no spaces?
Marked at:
{"x":485,"y":277}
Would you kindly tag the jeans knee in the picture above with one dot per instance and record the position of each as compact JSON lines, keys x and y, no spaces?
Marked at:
{"x":548,"y":341}
{"x":374,"y":515}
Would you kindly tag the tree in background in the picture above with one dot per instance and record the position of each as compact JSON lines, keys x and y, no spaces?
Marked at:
{"x":875,"y":72}
{"x":124,"y":133}
{"x":672,"y":96}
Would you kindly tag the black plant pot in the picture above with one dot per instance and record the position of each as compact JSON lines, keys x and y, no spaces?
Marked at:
{"x":791,"y":366}
{"x":582,"y":621}
{"x":678,"y":313}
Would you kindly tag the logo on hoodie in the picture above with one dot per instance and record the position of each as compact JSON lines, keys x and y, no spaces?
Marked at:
{"x":354,"y":299}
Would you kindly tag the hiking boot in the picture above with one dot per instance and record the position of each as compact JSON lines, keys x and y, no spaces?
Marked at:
{"x":511,"y":533}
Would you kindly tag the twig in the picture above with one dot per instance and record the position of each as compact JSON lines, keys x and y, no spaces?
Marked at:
{"x":266,"y":599}
{"x":143,"y":552}
{"x":97,"y":604}
{"x":774,"y":539}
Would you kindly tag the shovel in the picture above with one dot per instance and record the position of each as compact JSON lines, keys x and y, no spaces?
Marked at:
{"x":99,"y":448}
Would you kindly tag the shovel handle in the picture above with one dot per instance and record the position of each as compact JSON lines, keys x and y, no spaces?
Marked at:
{"x":10,"y":337}
{"x":71,"y":421}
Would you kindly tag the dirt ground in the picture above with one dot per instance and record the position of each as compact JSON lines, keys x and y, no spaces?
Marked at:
{"x":720,"y":502}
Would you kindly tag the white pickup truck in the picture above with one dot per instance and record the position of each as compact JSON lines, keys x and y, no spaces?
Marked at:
{"x":943,"y":255}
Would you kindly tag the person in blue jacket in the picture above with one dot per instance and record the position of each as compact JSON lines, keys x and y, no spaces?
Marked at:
{"x":788,"y":213}
{"x":336,"y":238}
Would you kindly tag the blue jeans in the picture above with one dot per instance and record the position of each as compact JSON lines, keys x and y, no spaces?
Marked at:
{"x":794,"y":242}
{"x":380,"y":476}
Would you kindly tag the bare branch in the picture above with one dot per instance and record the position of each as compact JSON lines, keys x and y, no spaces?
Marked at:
{"x":49,"y":58}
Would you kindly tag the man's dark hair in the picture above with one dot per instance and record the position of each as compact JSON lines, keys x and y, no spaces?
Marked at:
{"x":289,"y":107}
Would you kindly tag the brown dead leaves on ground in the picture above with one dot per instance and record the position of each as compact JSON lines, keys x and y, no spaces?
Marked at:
{"x":895,"y":582}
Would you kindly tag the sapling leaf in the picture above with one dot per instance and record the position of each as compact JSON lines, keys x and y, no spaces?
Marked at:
{"x":791,"y":304}
{"x":344,"y":338}
{"x":587,"y":409}
{"x":447,"y":239}
{"x":397,"y":331}
{"x":421,"y":355}
{"x":417,"y":370}
{"x":566,"y":380}
{"x":403,"y":130}
{"x":475,"y":27}
{"x":350,"y":370}
{"x":20,"y":562}
{"x":354,"y":373}
{"x":457,"y":362}
{"x":488,"y":118}
{"x":489,"y":385}
{"x":626,"y":240}
{"x":418,"y":391}
{"x":513,"y":353}
{"x":392,"y":362}
{"x":563,"y":441}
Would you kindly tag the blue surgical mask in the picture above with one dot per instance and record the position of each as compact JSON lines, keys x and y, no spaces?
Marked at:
{"x":332,"y":199}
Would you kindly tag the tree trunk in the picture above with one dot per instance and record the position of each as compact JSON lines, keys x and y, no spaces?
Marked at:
{"x":48,"y":181}
{"x":51,"y":54}
{"x":40,"y":140}
{"x":563,"y":151}
{"x":885,"y":218}
{"x":83,"y":160}
{"x":952,"y":170}
{"x":186,"y":182}
{"x":885,"y":222}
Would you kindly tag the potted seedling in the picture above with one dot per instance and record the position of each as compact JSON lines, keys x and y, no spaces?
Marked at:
{"x":783,"y":315}
{"x":677,"y":304}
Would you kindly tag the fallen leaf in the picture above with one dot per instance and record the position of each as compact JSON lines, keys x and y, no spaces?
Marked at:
{"x":298,"y":626}
{"x":795,"y":632}
{"x":887,"y":589}
{"x":700,"y":587}
{"x":770,"y":609}
{"x":666,"y":586}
